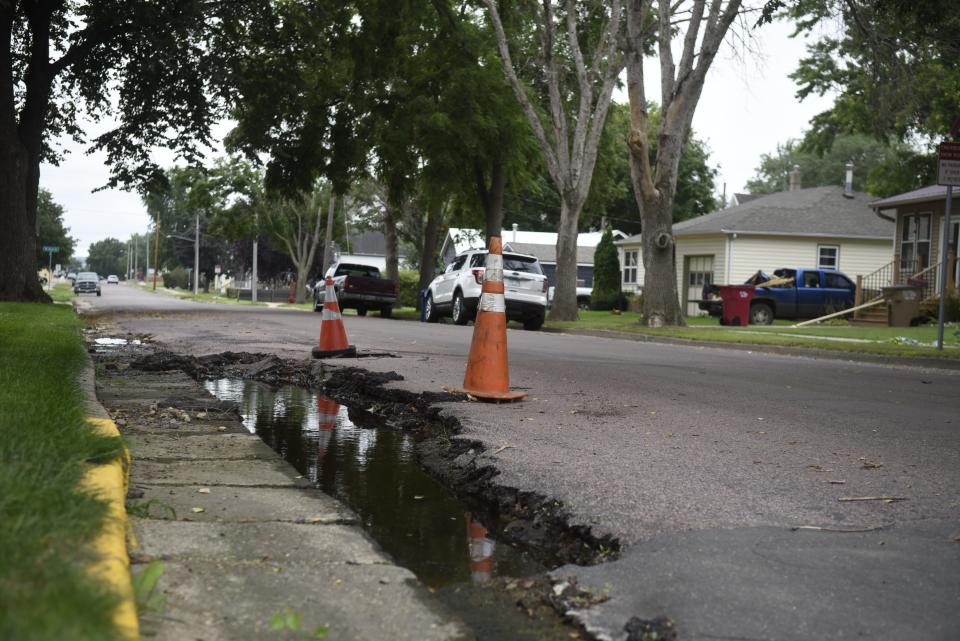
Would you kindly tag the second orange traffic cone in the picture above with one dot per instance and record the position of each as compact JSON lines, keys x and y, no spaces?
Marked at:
{"x":333,"y":336}
{"x":488,"y":372}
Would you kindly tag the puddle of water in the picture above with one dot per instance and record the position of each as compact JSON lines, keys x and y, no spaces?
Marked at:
{"x":412,"y":516}
{"x":115,"y":342}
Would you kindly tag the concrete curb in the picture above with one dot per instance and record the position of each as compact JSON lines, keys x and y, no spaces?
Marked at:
{"x":808,"y":352}
{"x":109,"y":482}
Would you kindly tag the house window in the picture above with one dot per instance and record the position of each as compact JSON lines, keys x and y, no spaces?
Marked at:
{"x":915,"y":243}
{"x":630,"y":258}
{"x":828,"y":256}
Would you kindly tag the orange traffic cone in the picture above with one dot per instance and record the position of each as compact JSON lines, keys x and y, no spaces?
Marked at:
{"x":333,"y":336}
{"x":481,"y":551}
{"x":327,"y":411}
{"x":488,"y":376}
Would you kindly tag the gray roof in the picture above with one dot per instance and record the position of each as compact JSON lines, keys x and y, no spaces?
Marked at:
{"x":817,"y":211}
{"x":924,"y":194}
{"x":743,"y":198}
{"x":548,"y":253}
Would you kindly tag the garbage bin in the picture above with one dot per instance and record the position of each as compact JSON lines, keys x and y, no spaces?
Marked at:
{"x":903,"y":304}
{"x":736,"y":304}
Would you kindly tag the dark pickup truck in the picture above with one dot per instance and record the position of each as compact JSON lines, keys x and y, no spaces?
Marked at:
{"x":358,"y":287}
{"x":790,"y":293}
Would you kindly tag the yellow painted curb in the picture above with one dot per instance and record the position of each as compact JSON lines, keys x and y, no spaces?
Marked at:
{"x":109,"y":483}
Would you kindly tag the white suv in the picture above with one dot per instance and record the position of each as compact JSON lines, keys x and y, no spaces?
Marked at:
{"x":456,"y":291}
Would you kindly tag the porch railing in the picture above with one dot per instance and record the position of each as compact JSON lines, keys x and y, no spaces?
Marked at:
{"x":900,"y":272}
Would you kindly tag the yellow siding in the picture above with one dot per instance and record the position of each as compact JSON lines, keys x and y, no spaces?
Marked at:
{"x":751,"y":253}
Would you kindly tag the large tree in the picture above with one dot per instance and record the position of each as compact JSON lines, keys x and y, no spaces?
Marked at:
{"x":565,"y":94}
{"x":704,"y":26}
{"x":52,"y":230}
{"x":151,"y":66}
{"x":880,"y":168}
{"x":894,"y":65}
{"x":108,"y":256}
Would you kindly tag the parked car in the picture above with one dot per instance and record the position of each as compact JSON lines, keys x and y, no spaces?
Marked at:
{"x":113,"y":280}
{"x":71,"y":276}
{"x":358,"y":287}
{"x":790,"y":293}
{"x":86,"y":283}
{"x":583,"y":295}
{"x":456,"y":292}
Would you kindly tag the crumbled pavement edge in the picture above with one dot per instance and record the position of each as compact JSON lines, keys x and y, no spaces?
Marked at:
{"x":108,"y":481}
{"x":533,"y":522}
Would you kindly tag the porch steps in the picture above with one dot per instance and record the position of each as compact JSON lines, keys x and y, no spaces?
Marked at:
{"x":872,"y":317}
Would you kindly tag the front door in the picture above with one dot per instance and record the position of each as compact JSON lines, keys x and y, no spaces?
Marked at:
{"x":699,"y":273}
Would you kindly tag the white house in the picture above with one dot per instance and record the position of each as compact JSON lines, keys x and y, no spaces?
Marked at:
{"x":541,"y":244}
{"x":824,"y":227}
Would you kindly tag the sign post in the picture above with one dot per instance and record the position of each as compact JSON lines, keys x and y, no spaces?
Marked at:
{"x":51,"y":250}
{"x":948,"y":174}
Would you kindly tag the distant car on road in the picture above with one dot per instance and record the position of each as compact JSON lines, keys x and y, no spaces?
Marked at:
{"x":113,"y":280}
{"x":456,"y":292}
{"x":358,"y":287}
{"x":72,"y":276}
{"x":87,"y":283}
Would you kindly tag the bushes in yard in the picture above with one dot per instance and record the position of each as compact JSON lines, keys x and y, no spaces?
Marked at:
{"x":176,"y":278}
{"x":606,"y":275}
{"x":409,"y":288}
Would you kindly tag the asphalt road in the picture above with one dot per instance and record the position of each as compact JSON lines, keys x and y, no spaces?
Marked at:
{"x":697,"y":456}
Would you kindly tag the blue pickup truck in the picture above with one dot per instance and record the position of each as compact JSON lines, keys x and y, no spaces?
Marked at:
{"x":790,"y":293}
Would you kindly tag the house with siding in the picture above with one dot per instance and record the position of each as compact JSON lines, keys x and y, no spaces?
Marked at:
{"x":919,"y":228}
{"x":824,"y":227}
{"x":541,"y":244}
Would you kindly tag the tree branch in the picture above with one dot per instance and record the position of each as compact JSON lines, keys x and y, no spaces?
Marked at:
{"x":503,"y":48}
{"x":664,"y":38}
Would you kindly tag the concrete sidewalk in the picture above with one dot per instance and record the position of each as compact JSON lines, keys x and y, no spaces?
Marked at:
{"x":242,"y":536}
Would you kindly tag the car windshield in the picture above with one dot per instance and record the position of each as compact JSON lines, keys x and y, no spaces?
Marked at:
{"x":87,"y":276}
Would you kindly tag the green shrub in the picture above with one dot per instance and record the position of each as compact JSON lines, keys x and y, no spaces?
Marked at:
{"x":952,"y":309}
{"x":409,"y":288}
{"x":177,"y":278}
{"x":606,"y":275}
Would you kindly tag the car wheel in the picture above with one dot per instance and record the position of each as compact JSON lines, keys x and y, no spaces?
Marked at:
{"x":459,"y":313}
{"x":386,"y":311}
{"x":98,"y":292}
{"x":361,"y":311}
{"x":533,"y":324}
{"x":429,"y":311}
{"x":317,"y":305}
{"x":583,"y":303}
{"x":760,"y":314}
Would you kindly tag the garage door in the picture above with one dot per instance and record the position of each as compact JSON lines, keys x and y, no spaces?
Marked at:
{"x":699,"y":270}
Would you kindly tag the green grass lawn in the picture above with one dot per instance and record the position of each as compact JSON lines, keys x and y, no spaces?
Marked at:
{"x":45,"y":446}
{"x":62,"y":293}
{"x":839,"y":337}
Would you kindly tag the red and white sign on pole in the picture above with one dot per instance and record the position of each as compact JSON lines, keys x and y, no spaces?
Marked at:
{"x":948,"y":167}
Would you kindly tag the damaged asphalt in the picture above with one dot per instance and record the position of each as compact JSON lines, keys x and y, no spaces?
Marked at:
{"x":701,"y":463}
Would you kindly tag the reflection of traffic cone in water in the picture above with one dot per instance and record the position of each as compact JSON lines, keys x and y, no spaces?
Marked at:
{"x":488,"y":375}
{"x":481,"y":551}
{"x":333,"y":336}
{"x":327,"y":409}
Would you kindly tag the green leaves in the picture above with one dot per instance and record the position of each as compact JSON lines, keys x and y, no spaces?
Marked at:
{"x":288,"y":620}
{"x":145,"y":593}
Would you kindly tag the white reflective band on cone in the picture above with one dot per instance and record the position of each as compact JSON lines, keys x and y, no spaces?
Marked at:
{"x":492,"y":303}
{"x":329,"y":314}
{"x":493,"y":274}
{"x":494,"y":261}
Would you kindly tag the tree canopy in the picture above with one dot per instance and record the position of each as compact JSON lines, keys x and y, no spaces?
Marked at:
{"x":52,"y":230}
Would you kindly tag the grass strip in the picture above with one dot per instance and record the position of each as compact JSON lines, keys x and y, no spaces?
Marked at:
{"x":46,"y":523}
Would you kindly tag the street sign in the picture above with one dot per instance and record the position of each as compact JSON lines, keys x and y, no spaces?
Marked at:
{"x":51,"y":249}
{"x":948,"y":166}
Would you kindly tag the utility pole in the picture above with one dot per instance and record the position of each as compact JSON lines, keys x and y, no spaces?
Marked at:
{"x":254,"y":283}
{"x":136,"y":246}
{"x":196,"y":256}
{"x":156,"y":247}
{"x":146,"y":263}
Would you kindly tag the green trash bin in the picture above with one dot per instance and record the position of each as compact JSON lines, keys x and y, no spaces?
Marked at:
{"x":903,"y":304}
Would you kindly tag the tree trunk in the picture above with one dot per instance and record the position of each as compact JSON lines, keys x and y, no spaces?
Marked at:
{"x":300,"y":288}
{"x":18,"y":242}
{"x":661,"y":303}
{"x":390,"y":214}
{"x":428,"y":249}
{"x":564,"y":307}
{"x":491,"y":197}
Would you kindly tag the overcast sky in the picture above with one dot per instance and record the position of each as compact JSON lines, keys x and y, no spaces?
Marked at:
{"x":748,"y":106}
